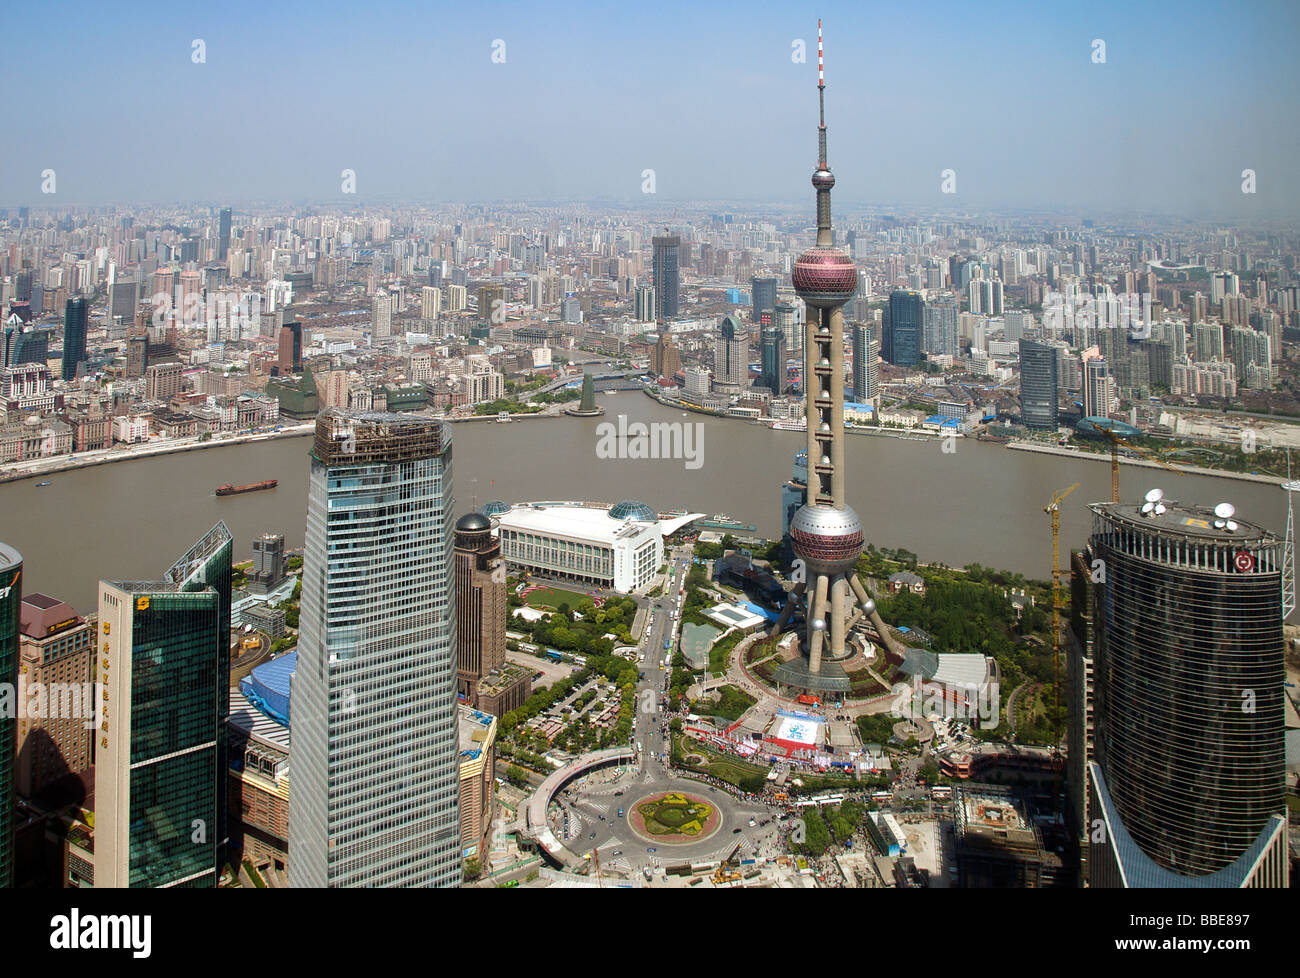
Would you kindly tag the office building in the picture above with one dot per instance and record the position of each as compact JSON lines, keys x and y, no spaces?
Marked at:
{"x":1098,"y":388}
{"x":783,"y":318}
{"x":731,"y":357}
{"x":667,"y":361}
{"x":1186,"y":783}
{"x":270,"y":565}
{"x":160,"y":756}
{"x":773,"y":375}
{"x":375,"y":752}
{"x":223,"y":233}
{"x":381,"y":316}
{"x":866,"y":363}
{"x":940,"y":333}
{"x":11,"y":596}
{"x":56,"y":655}
{"x":904,"y":328}
{"x":1038,"y":386}
{"x":74,"y":336}
{"x":645,"y":303}
{"x":480,"y":602}
{"x":763,"y":296}
{"x":290,"y":348}
{"x":667,"y":279}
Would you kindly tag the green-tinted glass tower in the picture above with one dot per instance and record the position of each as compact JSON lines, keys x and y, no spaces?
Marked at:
{"x":163,"y":665}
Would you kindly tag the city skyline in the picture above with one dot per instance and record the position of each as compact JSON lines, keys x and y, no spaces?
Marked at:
{"x":1058,"y":131}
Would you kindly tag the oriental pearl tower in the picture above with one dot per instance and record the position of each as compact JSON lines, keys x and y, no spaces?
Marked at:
{"x":826,"y":533}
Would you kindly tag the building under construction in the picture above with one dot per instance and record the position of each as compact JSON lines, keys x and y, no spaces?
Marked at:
{"x":997,"y":845}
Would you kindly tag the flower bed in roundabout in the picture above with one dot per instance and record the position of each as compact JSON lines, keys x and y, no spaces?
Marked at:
{"x":674,"y":817}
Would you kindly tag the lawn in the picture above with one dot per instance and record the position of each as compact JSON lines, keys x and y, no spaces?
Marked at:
{"x":553,"y":597}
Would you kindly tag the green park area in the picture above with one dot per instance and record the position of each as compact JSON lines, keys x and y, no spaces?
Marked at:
{"x":553,"y":597}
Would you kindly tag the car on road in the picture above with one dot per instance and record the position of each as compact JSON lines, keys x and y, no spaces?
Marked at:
{"x":651,"y":849}
{"x":592,"y":836}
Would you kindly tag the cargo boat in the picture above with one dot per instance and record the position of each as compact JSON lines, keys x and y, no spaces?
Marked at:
{"x":229,"y":490}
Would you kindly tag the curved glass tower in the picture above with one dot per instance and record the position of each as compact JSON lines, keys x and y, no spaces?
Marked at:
{"x":1188,"y":674}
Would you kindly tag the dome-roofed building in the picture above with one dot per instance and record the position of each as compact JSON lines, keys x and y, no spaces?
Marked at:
{"x":494,"y":508}
{"x":633,"y":509}
{"x":473,"y":522}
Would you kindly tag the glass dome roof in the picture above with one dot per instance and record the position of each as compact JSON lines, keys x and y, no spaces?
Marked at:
{"x":633,"y":509}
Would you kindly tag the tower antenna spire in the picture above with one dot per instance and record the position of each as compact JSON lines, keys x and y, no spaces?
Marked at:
{"x":821,"y":100}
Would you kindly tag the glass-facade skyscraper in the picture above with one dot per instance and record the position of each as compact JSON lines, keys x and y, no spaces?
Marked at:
{"x":905,"y":328}
{"x":866,"y":362}
{"x":375,"y":757}
{"x":1038,"y":386}
{"x":763,"y":293}
{"x":1187,"y":783}
{"x":773,"y":377}
{"x":667,"y":279}
{"x":223,"y":233}
{"x":74,"y":336}
{"x":11,"y":597}
{"x":160,"y":764}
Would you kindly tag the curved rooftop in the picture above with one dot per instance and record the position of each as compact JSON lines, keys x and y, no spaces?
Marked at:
{"x":633,"y":509}
{"x":495,"y":507}
{"x":472,"y":522}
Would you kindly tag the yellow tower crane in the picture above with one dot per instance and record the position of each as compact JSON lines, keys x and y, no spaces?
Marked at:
{"x":1116,"y":442}
{"x":1053,"y":509}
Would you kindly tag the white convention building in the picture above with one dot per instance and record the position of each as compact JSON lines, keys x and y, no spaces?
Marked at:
{"x":619,"y":547}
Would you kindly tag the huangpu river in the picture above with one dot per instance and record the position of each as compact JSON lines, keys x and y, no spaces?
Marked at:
{"x":981,"y":503}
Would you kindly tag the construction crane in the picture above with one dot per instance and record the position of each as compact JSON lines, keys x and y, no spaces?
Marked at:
{"x":1116,"y":442}
{"x":1053,"y":509}
{"x":595,"y":861}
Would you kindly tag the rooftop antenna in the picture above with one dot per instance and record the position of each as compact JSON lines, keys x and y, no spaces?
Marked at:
{"x":1291,"y":486}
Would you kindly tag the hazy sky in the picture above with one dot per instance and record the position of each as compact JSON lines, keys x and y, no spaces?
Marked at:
{"x":590,"y":95}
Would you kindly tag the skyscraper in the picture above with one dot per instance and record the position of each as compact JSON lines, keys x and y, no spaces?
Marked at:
{"x":160,"y":763}
{"x":763,"y":293}
{"x":667,"y":281}
{"x":667,"y":361}
{"x":11,"y":597}
{"x":773,"y":376}
{"x":1187,"y":784}
{"x":74,"y":336}
{"x":223,"y":233}
{"x":1097,"y":387}
{"x":1038,"y":386}
{"x":645,"y":303}
{"x":940,"y":318}
{"x":731,"y":357}
{"x":480,"y":602}
{"x":866,"y":362}
{"x":904,"y":331}
{"x":375,"y":754}
{"x":381,"y":316}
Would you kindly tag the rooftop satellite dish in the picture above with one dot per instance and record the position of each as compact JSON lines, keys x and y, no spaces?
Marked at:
{"x":1155,"y":495}
{"x":1219,"y":524}
{"x":1224,"y":510}
{"x":1232,"y":524}
{"x":1148,"y":507}
{"x":1160,"y":508}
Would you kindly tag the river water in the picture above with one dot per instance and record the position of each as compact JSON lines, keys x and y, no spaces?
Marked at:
{"x":983,"y":503}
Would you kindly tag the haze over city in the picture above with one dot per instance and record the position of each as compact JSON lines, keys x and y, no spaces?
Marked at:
{"x":1007,"y":95}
